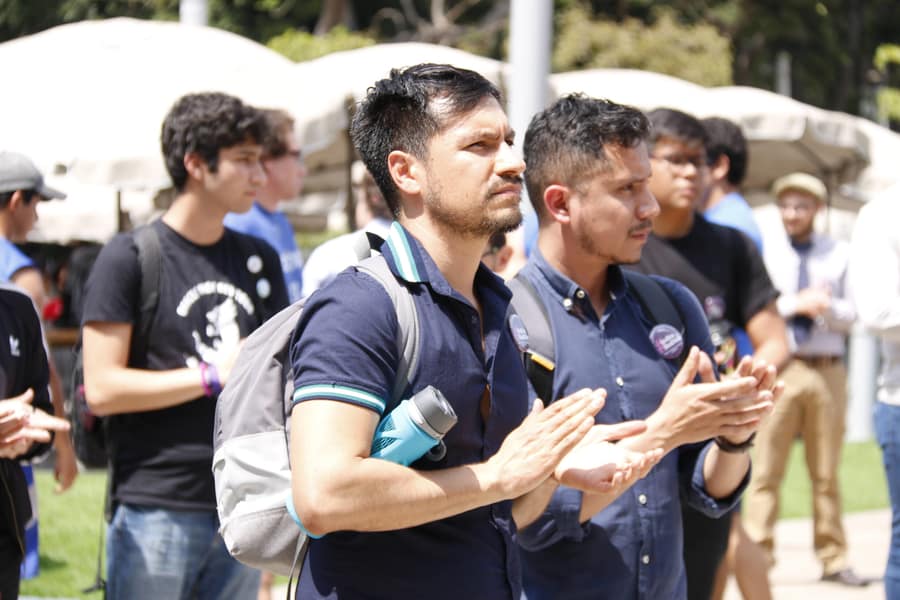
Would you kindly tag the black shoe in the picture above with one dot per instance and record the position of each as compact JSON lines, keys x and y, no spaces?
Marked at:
{"x":846,"y":577}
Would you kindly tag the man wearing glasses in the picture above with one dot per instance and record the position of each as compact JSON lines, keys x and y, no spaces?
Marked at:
{"x":725,"y":271}
{"x":283,"y":163}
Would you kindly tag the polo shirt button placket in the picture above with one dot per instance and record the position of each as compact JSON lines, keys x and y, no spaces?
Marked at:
{"x":620,"y":382}
{"x":645,"y":559}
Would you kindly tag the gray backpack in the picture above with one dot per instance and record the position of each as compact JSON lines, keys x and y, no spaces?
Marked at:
{"x":251,"y":464}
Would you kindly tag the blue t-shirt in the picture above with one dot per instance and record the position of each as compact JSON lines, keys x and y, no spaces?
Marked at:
{"x":346,"y":351}
{"x":12,"y":260}
{"x":733,"y":211}
{"x":632,"y":548}
{"x":274,"y":228}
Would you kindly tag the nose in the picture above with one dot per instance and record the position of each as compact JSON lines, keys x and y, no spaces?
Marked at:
{"x":648,"y":206}
{"x":258,"y":174}
{"x":509,"y":162}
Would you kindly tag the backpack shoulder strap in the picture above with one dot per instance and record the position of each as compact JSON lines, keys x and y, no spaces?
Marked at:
{"x":656,"y":303}
{"x":408,"y":333}
{"x":540,"y":357}
{"x":149,"y":253}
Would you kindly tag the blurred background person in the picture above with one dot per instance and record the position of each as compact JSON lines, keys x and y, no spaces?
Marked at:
{"x":372,"y":216}
{"x":21,"y":188}
{"x":282,"y":162}
{"x":810,"y":271}
{"x":875,"y":288}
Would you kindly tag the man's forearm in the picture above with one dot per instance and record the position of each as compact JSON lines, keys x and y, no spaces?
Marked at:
{"x":527,"y":508}
{"x":123,"y":390}
{"x":724,"y":471}
{"x":377,"y":495}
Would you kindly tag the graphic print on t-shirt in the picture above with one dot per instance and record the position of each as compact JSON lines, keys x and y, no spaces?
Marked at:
{"x":215,"y":331}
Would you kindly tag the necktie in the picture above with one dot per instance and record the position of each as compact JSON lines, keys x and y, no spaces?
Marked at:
{"x":801,"y":324}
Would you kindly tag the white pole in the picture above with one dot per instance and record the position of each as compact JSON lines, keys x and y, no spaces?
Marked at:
{"x":530,"y":33}
{"x":861,"y":386}
{"x":193,"y":12}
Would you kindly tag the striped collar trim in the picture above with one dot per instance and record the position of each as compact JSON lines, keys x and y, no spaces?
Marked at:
{"x":401,"y":247}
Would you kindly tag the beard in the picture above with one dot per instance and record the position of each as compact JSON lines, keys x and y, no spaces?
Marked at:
{"x":471,"y":223}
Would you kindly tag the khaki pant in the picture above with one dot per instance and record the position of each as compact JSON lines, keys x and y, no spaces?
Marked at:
{"x":814,"y":407}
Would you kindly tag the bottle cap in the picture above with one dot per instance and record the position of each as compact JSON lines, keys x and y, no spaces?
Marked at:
{"x":435,"y":410}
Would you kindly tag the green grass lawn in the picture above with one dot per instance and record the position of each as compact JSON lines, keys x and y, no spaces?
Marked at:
{"x":69,"y":522}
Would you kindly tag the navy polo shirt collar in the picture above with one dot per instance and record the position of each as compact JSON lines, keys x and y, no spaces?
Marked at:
{"x":572,"y":295}
{"x":409,"y":261}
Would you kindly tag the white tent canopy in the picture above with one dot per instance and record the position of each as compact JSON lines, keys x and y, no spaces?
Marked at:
{"x":92,"y":96}
{"x":104,"y":87}
{"x":784,"y":135}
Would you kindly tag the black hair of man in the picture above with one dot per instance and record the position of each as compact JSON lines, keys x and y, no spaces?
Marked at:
{"x":6,"y":197}
{"x":567,"y":142}
{"x":406,"y":109}
{"x":205,"y":124}
{"x":724,"y":137}
{"x":675,"y":125}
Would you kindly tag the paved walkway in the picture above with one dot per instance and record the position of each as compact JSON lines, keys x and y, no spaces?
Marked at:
{"x":796,"y":574}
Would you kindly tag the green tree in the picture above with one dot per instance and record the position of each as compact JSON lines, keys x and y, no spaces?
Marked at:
{"x":887,"y":61}
{"x":695,"y":52}
{"x":302,"y":45}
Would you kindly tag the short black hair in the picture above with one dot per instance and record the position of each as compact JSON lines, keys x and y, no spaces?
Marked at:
{"x":6,"y":197}
{"x":675,"y":125}
{"x":206,"y":123}
{"x":724,"y":137}
{"x":566,"y":142}
{"x":398,"y":114}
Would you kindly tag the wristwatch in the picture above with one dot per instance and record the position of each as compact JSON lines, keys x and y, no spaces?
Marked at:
{"x":732,"y":448}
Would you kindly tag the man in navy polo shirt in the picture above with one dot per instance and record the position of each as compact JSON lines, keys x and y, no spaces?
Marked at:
{"x":588,"y":172}
{"x":438,"y":143}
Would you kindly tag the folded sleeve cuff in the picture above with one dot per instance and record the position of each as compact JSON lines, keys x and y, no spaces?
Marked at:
{"x":561,"y":520}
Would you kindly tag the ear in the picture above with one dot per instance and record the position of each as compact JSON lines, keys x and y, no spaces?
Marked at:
{"x":406,"y":171}
{"x":16,"y":201}
{"x":556,"y":200}
{"x":195,"y":166}
{"x":719,"y":169}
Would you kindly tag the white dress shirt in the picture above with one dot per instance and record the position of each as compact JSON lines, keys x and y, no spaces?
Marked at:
{"x":335,"y":255}
{"x":875,"y":277}
{"x":827,"y":262}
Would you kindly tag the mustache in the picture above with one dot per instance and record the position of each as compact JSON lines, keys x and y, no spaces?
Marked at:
{"x":642,"y":227}
{"x":506,"y":181}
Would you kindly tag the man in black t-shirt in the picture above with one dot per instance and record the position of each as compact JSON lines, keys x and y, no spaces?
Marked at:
{"x":725,"y":271}
{"x":215,"y":287}
{"x":25,"y":426}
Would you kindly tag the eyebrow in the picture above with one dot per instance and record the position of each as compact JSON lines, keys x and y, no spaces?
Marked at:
{"x":488,"y":133}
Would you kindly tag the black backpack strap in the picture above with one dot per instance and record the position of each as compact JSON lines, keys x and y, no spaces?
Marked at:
{"x":656,"y":303}
{"x":540,"y":357}
{"x":149,"y":251}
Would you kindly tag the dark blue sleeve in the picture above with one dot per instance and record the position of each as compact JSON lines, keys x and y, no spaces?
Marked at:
{"x":345,"y":346}
{"x":692,"y":456}
{"x":38,"y":372}
{"x":561,"y":519}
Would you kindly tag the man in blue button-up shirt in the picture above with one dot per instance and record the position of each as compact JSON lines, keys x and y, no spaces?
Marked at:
{"x":587,"y":177}
{"x":438,"y":144}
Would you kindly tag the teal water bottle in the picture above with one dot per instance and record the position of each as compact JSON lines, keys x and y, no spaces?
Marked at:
{"x":415,"y":427}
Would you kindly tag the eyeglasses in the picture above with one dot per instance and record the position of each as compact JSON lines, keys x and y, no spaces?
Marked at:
{"x":681,"y":161}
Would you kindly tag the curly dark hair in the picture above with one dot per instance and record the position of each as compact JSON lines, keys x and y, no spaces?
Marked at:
{"x":566,"y":142}
{"x":398,"y":114}
{"x":206,"y":123}
{"x":724,"y":137}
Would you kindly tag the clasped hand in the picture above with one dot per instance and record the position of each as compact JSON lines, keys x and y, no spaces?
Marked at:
{"x":21,"y":425}
{"x":732,"y":408}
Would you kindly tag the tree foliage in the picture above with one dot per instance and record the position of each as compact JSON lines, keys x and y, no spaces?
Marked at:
{"x":302,"y":45}
{"x":695,"y":52}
